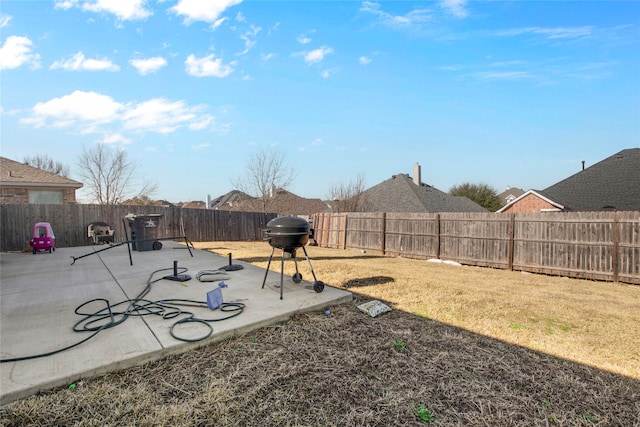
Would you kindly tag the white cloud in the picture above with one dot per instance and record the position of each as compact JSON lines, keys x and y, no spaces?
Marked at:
{"x":199,"y":10}
{"x":77,"y":108}
{"x":248,"y":41}
{"x":315,"y":143}
{"x":4,"y":20}
{"x":124,"y":10}
{"x":65,"y":4}
{"x":304,"y":38}
{"x":148,"y":65}
{"x":78,"y":62}
{"x":455,"y":7}
{"x":207,"y":66}
{"x":91,"y":112}
{"x":414,"y":16}
{"x":551,"y":33}
{"x":316,"y":55}
{"x":159,"y":115}
{"x":218,"y":22}
{"x":16,"y":51}
{"x":201,"y":146}
{"x":115,"y":138}
{"x":364,"y":60}
{"x":202,"y":122}
{"x":503,"y":75}
{"x":240,"y":17}
{"x":267,"y":56}
{"x":328,"y":72}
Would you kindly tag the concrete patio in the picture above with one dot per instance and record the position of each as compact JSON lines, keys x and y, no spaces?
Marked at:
{"x":39,"y":294}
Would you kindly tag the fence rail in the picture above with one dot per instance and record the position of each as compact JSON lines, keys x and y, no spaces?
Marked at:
{"x":70,"y":222}
{"x":589,"y":245}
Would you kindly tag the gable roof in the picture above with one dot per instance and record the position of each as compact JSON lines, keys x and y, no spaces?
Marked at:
{"x":510,"y":194}
{"x":400,"y":194}
{"x":555,"y":205}
{"x":16,"y":174}
{"x":613,"y":183}
{"x":282,"y":203}
{"x":229,"y":199}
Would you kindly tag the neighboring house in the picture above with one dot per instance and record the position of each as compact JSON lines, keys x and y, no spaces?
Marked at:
{"x":510,"y":194}
{"x":197,"y":204}
{"x":401,"y":193}
{"x":228,"y":200}
{"x":282,"y":203}
{"x":21,"y":183}
{"x":611,"y":184}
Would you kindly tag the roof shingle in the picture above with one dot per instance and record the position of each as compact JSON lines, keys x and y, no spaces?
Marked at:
{"x":400,"y":194}
{"x":613,"y":183}
{"x":14,"y":173}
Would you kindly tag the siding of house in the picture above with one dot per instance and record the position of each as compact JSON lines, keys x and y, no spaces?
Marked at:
{"x":14,"y":195}
{"x":530,"y":203}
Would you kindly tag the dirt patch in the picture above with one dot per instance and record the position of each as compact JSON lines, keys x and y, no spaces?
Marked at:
{"x":368,"y":281}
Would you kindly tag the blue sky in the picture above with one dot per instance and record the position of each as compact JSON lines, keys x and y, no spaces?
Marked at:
{"x":497,"y":92}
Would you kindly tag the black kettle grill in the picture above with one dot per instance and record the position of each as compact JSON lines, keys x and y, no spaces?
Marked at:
{"x":289,"y":233}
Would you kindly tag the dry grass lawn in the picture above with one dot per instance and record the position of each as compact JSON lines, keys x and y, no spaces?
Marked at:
{"x":462,"y":346}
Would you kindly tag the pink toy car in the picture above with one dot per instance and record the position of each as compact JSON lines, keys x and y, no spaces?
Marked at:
{"x":43,"y":238}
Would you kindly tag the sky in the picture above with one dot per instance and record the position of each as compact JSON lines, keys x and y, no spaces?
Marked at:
{"x":503,"y":93}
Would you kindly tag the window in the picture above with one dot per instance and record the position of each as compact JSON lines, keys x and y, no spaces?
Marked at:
{"x":52,"y":197}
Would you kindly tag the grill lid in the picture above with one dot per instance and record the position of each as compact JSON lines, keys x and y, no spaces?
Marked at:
{"x":287,"y":225}
{"x":287,"y":232}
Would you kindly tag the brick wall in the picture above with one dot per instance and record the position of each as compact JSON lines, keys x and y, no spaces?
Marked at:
{"x":15,"y":195}
{"x":530,"y":203}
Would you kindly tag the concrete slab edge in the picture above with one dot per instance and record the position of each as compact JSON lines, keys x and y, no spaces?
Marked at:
{"x":8,"y":398}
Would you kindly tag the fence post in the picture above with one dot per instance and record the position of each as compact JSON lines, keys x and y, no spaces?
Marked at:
{"x":437,"y":239}
{"x":346,"y":222}
{"x":384,"y":232}
{"x":512,"y":233}
{"x":615,"y":235}
{"x":319,"y":229}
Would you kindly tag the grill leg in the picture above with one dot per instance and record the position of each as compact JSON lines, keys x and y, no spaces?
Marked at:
{"x":268,"y":265}
{"x":282,"y":276}
{"x":310,"y":266}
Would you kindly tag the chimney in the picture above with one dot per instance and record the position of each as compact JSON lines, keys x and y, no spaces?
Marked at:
{"x":417,"y":179}
{"x":583,"y":165}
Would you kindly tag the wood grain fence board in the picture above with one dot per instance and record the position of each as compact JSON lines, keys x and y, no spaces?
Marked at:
{"x":411,"y":234}
{"x":590,"y":245}
{"x":69,"y":223}
{"x":365,"y":231}
{"x":587,"y":245}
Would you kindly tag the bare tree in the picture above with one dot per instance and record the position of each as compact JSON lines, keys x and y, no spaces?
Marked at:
{"x":45,"y":163}
{"x":349,"y":196}
{"x":266,"y":175}
{"x":110,"y":175}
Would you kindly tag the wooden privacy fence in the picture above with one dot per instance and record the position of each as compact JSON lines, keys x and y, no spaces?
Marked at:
{"x":70,"y":222}
{"x":588,"y":245}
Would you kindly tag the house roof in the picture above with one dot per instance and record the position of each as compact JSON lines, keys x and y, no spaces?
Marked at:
{"x":229,"y":199}
{"x":510,"y":194}
{"x":535,"y":193}
{"x":16,"y":174}
{"x":283,"y":203}
{"x":400,"y":194}
{"x":613,"y":183}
